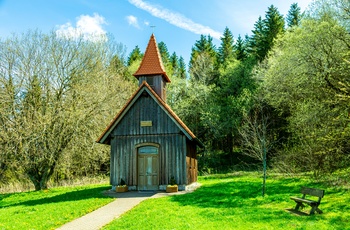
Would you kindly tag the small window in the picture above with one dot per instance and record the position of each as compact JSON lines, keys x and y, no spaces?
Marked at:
{"x":150,"y":81}
{"x":148,"y":150}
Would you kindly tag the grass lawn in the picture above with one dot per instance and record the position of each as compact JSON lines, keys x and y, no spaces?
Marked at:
{"x":235,"y":202}
{"x":222,"y":202}
{"x":49,"y":209}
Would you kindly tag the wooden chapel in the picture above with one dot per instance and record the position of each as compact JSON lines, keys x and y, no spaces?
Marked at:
{"x":149,"y":142}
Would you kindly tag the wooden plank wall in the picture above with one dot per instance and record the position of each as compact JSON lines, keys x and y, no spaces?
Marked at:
{"x":172,"y":144}
{"x":157,"y":85}
{"x":172,"y":158}
{"x":145,"y":109}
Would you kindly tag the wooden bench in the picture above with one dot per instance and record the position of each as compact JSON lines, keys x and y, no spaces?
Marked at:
{"x":314,"y":204}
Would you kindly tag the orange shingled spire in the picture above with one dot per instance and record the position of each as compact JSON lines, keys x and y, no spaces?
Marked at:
{"x":151,"y":63}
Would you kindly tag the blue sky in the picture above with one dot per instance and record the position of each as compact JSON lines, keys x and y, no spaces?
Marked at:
{"x":178,"y":23}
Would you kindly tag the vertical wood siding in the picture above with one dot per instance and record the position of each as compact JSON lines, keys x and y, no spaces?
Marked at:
{"x":145,"y":109}
{"x":173,"y":144}
{"x":158,"y":84}
{"x":172,"y":161}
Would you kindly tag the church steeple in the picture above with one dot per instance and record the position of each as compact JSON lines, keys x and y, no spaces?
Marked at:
{"x":152,"y":69}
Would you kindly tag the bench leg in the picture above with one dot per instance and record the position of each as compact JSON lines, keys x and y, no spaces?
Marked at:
{"x":319,"y":211}
{"x":299,"y":204}
{"x":315,"y":209}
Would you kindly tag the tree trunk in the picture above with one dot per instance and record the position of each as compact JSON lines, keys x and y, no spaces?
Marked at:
{"x":41,"y":178}
{"x":264,"y":171}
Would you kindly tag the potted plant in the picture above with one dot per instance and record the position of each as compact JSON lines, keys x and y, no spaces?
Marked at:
{"x":122,"y":187}
{"x":172,"y":187}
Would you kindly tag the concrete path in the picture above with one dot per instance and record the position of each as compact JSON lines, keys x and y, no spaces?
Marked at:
{"x":102,"y":216}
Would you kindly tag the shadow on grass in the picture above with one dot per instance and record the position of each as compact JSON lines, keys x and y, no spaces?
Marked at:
{"x":77,"y":195}
{"x":298,"y":213}
{"x":240,"y":193}
{"x":240,"y":198}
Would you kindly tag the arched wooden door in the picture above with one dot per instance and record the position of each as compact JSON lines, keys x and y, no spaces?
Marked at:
{"x":148,"y":168}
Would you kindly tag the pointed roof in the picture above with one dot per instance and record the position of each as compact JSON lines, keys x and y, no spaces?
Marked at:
{"x":151,"y":63}
{"x":144,"y":87}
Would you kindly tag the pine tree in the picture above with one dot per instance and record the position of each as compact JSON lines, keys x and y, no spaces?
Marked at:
{"x":174,"y":62}
{"x":240,"y":49}
{"x":226,"y":49}
{"x":164,"y":53}
{"x":294,"y":15}
{"x":134,"y":55}
{"x":182,"y":68}
{"x":258,"y":41}
{"x":203,"y":45}
{"x":265,"y":32}
{"x":274,"y":25}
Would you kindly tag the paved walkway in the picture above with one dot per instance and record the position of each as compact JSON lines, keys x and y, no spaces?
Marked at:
{"x":102,"y":216}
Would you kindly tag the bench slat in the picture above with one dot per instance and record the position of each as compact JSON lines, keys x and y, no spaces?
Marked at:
{"x":312,"y":192}
{"x":304,"y":200}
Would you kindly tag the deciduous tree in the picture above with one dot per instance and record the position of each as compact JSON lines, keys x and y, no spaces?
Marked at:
{"x":307,"y":78}
{"x":54,"y":95}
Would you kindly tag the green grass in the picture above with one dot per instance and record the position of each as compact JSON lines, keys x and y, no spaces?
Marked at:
{"x":51,"y":208}
{"x":222,"y":202}
{"x":235,"y":202}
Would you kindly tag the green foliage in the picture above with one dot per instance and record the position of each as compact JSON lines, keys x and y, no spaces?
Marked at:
{"x":49,"y":209}
{"x":54,"y":98}
{"x":203,"y":69}
{"x":181,"y":68}
{"x":274,"y":25}
{"x":205,"y":51}
{"x":226,"y":49}
{"x":135,"y":55}
{"x":312,"y":90}
{"x":233,"y":97}
{"x":336,"y":9}
{"x":265,"y":32}
{"x":240,"y":48}
{"x":174,"y":61}
{"x":232,"y":201}
{"x":52,"y":110}
{"x":294,"y":15}
{"x":182,"y":95}
{"x":221,"y":87}
{"x":178,"y":66}
{"x":164,"y":53}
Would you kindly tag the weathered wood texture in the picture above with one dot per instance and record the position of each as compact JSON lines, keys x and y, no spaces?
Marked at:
{"x":157,"y":83}
{"x":172,"y":160}
{"x":145,"y":109}
{"x":177,"y":155}
{"x":312,"y":203}
{"x":191,"y":162}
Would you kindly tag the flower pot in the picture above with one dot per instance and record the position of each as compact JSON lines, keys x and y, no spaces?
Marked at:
{"x":121,"y":189}
{"x":171,"y":188}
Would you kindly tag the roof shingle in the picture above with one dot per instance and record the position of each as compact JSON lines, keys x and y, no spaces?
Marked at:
{"x":151,"y":63}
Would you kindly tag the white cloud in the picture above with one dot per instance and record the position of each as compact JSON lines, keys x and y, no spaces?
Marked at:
{"x":90,"y":27}
{"x":132,"y":20}
{"x":175,"y":18}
